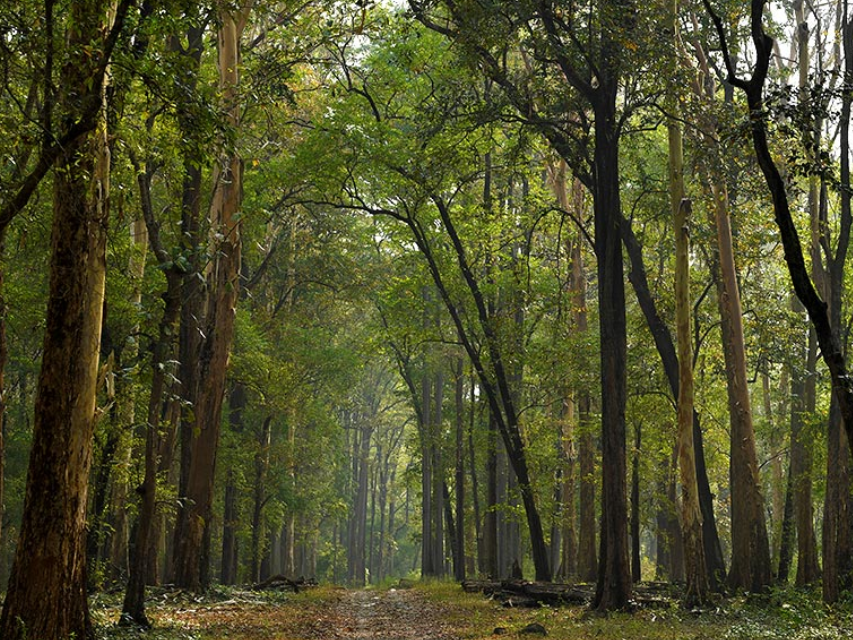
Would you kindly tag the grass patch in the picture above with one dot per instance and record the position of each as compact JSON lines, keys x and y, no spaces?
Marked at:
{"x":784,"y":615}
{"x":221,"y":613}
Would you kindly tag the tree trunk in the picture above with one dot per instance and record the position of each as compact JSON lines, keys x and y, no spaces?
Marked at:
{"x":120,"y":538}
{"x":696,"y":588}
{"x":636,"y":565}
{"x":4,"y":358}
{"x":192,"y":554}
{"x":50,"y":559}
{"x":262,"y":463}
{"x":587,"y":559}
{"x":750,"y":568}
{"x":192,"y":294}
{"x":459,"y":478}
{"x":802,"y":402}
{"x":803,"y":384}
{"x":786,"y":543}
{"x":133,"y":607}
{"x":613,"y":588}
{"x":838,"y":507}
{"x":438,"y":506}
{"x":490,"y":524}
{"x":231,"y":516}
{"x":475,"y":485}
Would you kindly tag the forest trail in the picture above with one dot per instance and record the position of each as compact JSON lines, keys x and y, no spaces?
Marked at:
{"x":385,"y":615}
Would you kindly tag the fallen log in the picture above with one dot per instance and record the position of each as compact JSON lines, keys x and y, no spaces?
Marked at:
{"x":520,"y":593}
{"x":282,"y":582}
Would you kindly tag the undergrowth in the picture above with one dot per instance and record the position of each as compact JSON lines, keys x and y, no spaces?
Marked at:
{"x":246,"y":615}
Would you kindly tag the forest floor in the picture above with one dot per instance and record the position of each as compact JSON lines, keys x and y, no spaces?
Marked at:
{"x":441,"y":611}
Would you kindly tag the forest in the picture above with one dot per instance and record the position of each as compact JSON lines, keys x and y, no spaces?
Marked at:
{"x":351,"y":292}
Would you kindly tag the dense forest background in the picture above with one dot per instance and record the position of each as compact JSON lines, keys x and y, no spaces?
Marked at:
{"x":356,"y":291}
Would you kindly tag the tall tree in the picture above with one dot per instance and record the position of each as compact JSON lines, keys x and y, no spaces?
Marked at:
{"x":753,"y":87}
{"x":821,"y":312}
{"x":691,"y":515}
{"x":750,"y":565}
{"x":192,"y":537}
{"x":50,"y":559}
{"x":593,"y":70}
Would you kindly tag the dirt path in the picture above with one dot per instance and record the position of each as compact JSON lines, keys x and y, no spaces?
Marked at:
{"x":386,"y":615}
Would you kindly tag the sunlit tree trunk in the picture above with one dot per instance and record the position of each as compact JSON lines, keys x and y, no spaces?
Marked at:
{"x":192,"y":551}
{"x":696,"y":588}
{"x":750,"y":568}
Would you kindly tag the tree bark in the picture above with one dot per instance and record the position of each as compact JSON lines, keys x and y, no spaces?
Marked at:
{"x":4,"y":358}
